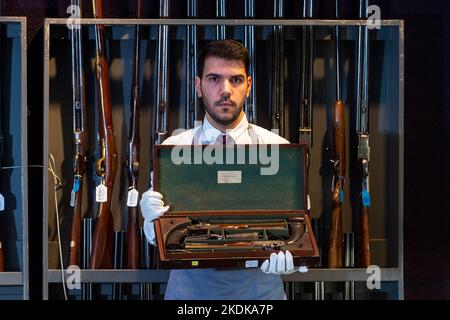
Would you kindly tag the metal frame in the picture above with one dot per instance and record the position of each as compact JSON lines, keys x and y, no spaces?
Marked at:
{"x":108,"y":276}
{"x":21,"y":278}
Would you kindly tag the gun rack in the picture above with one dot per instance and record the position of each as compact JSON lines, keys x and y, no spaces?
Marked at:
{"x":386,"y":129}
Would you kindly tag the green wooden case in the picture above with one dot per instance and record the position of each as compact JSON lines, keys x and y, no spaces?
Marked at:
{"x":234,"y":185}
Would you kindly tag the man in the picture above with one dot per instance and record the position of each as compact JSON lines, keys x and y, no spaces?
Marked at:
{"x":223,"y":85}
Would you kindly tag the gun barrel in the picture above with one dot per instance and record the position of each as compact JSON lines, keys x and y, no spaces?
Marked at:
{"x":221,"y":31}
{"x":250,"y":43}
{"x":163,"y":74}
{"x":192,"y":105}
{"x":278,"y":70}
{"x":306,"y":85}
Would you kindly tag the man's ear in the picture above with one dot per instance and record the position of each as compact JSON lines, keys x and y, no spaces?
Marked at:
{"x":249,"y":85}
{"x":198,"y":86}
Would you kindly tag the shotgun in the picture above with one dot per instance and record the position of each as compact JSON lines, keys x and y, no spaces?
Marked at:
{"x":250,"y":41}
{"x":162,"y":74}
{"x":362,"y":127}
{"x":133,"y":155}
{"x":335,"y":258}
{"x":101,"y":255}
{"x":278,"y":70}
{"x":306,"y":81}
{"x":192,"y":106}
{"x":80,"y":139}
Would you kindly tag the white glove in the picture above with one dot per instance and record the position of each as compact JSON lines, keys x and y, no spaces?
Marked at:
{"x":152,"y":207}
{"x":281,"y":263}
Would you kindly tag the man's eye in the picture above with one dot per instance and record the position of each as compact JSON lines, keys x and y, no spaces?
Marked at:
{"x":237,"y":81}
{"x":213,"y":79}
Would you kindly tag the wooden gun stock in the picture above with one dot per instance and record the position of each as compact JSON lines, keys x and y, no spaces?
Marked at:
{"x":101,"y":256}
{"x":75,"y":235}
{"x":133,"y":242}
{"x":335,"y":259}
{"x":365,"y":239}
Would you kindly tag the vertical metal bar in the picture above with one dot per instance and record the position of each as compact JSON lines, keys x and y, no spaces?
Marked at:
{"x":146,"y":289}
{"x":221,"y":31}
{"x":119,"y":246}
{"x":319,"y":286}
{"x":349,"y":245}
{"x":88,"y":230}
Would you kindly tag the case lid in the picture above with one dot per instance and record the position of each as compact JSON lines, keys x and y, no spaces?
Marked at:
{"x":232,"y":177}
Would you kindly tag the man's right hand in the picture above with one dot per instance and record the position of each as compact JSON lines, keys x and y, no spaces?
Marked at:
{"x":152,"y":207}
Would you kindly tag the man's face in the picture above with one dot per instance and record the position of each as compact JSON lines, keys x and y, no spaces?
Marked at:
{"x":224,"y":86}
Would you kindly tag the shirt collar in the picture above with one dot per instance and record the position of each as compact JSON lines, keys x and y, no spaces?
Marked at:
{"x":211,"y":133}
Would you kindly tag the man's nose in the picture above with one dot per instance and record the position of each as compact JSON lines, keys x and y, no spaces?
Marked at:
{"x":225,"y":88}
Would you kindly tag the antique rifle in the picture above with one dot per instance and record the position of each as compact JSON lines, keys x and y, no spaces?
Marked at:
{"x":162,"y":74}
{"x":278,"y":70}
{"x":250,"y":41}
{"x":80,"y":139}
{"x":192,"y":106}
{"x":221,"y":31}
{"x":101,"y":255}
{"x":335,"y":258}
{"x":134,"y":145}
{"x":362,"y":127}
{"x":306,"y":85}
{"x":306,"y":82}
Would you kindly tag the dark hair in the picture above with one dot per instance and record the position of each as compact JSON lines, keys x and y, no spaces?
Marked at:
{"x":225,"y":49}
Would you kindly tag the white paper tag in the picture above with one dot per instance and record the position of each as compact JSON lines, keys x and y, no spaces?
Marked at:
{"x":229,"y":176}
{"x":101,"y":193}
{"x":133,"y":196}
{"x":251,"y":263}
{"x":2,"y":202}
{"x":72,"y":199}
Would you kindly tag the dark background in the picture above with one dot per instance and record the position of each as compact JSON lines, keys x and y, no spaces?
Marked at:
{"x":427,"y":121}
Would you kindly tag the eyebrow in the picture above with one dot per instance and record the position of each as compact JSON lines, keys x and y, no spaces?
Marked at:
{"x":219,"y":75}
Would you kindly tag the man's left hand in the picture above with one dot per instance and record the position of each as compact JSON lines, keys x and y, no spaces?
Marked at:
{"x":281,"y":263}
